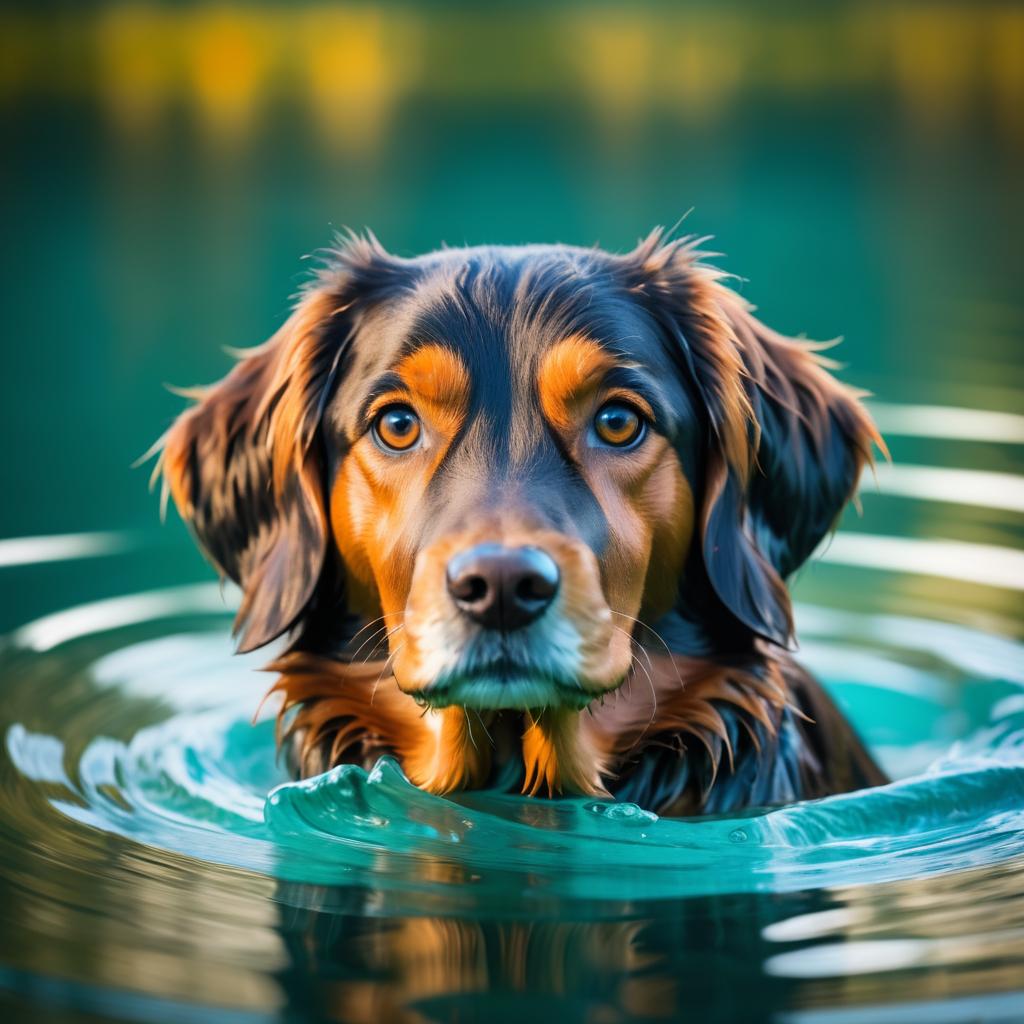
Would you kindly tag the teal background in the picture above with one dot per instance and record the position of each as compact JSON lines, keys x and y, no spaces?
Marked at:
{"x":166,"y":169}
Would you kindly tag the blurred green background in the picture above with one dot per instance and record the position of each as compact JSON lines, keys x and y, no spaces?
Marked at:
{"x":167,"y":166}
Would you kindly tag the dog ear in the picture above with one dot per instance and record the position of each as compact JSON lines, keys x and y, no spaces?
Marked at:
{"x":787,"y":440}
{"x":244,"y":465}
{"x":810,"y":437}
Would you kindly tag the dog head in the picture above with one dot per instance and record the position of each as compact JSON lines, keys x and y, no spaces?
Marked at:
{"x":510,"y":461}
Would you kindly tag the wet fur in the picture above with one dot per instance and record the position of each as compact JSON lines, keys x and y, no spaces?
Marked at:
{"x":766,"y":448}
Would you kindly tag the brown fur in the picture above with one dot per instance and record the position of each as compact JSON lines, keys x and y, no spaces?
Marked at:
{"x":373,"y":498}
{"x":644,"y":495}
{"x":308,"y":537}
{"x":359,"y":710}
{"x":356,"y":712}
{"x":606,"y":653}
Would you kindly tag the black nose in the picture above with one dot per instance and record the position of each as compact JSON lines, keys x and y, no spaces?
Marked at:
{"x":502,"y":588}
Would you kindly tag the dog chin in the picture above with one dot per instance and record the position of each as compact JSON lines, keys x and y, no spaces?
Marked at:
{"x":504,"y":689}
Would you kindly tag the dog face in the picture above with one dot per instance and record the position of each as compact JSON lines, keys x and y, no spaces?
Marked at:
{"x":505,"y":487}
{"x":509,"y":461}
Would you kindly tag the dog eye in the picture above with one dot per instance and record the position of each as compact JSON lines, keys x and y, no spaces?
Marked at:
{"x":619,"y":425}
{"x":397,"y":428}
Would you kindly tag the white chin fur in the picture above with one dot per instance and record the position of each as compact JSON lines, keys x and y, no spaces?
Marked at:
{"x":452,"y":648}
{"x":492,"y":693}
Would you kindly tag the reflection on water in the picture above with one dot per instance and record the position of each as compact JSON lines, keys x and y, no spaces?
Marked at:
{"x":355,"y":66}
{"x":141,"y":851}
{"x":947,"y":559}
{"x":952,"y":424}
{"x":33,"y":550}
{"x":115,"y":612}
{"x":959,"y":486}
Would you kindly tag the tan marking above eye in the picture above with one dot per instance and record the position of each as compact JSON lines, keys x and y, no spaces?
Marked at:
{"x":570,"y":383}
{"x":569,"y":374}
{"x":375,"y":493}
{"x":437,"y":377}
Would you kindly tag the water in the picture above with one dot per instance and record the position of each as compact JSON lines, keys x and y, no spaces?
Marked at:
{"x":202,"y":776}
{"x":151,"y":846}
{"x":156,"y":864}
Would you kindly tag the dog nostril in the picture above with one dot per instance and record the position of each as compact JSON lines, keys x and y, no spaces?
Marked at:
{"x":536,"y":587}
{"x":469,"y":588}
{"x":502,"y":588}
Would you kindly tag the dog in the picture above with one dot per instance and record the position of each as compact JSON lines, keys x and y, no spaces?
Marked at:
{"x":525,"y":516}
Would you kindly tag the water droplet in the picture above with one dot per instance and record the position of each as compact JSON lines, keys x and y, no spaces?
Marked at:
{"x":622,"y":812}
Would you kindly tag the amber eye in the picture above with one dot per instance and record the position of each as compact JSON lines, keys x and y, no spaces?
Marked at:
{"x":619,"y":425}
{"x":397,"y":428}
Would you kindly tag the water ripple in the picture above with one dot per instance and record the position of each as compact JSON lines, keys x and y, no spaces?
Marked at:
{"x":202,"y":779}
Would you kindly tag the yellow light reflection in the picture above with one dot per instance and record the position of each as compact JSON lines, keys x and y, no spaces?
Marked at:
{"x":352,"y":66}
{"x":228,"y":54}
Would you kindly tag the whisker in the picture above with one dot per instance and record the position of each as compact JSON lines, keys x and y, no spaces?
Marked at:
{"x":376,"y":633}
{"x":648,"y":671}
{"x":658,"y":637}
{"x":366,"y":626}
{"x":387,"y":636}
{"x":384,"y":668}
{"x":650,"y":629}
{"x":640,"y":647}
{"x":650,"y":681}
{"x":483,"y":726}
{"x":469,"y":729}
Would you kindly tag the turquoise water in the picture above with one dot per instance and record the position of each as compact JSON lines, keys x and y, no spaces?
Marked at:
{"x":860,"y":164}
{"x":148,"y":831}
{"x":203,"y":779}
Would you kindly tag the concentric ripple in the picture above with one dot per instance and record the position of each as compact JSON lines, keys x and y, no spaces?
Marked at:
{"x":151,"y":740}
{"x":158,"y":864}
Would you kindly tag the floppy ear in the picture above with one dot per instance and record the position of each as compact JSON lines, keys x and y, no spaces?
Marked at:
{"x":245,"y":476}
{"x":243,"y":465}
{"x":787,"y":440}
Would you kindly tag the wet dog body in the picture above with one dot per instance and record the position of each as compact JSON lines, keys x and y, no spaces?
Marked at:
{"x":526,"y":515}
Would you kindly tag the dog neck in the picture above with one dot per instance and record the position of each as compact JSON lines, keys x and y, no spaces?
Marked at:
{"x":336,"y":712}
